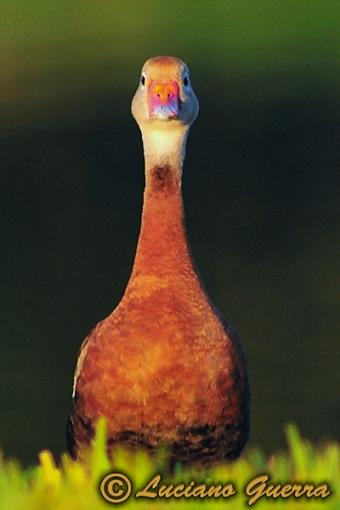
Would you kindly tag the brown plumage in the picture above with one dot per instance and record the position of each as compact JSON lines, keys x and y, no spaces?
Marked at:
{"x":164,"y":368}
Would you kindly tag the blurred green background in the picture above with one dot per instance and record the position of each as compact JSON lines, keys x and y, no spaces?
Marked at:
{"x":260,"y":193}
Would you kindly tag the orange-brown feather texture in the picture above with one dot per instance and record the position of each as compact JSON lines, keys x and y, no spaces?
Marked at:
{"x":164,"y":367}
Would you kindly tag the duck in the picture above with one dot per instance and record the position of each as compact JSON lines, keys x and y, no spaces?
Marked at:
{"x":164,"y":369}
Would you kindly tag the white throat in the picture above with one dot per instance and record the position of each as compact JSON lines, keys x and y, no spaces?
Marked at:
{"x":164,"y":146}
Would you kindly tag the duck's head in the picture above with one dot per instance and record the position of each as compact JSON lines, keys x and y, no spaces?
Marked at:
{"x":164,"y":97}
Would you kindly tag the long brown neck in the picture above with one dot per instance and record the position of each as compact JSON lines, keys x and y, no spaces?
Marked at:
{"x":162,"y":246}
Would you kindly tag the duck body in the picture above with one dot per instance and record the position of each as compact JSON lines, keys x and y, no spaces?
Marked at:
{"x":164,"y":368}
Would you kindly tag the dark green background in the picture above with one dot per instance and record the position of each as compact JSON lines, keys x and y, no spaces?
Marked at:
{"x":260,"y":190}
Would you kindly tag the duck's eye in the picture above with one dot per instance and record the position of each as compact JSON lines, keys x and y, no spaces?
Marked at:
{"x":185,"y":81}
{"x":142,"y":79}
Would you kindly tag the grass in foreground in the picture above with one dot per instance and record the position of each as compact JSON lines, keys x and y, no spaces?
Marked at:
{"x":75,"y":486}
